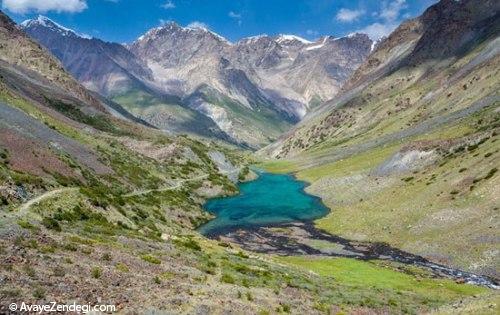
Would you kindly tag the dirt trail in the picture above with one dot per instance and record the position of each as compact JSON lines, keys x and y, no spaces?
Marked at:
{"x":25,"y":206}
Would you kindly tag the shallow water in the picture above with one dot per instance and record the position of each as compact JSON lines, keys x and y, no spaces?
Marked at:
{"x":268,"y":200}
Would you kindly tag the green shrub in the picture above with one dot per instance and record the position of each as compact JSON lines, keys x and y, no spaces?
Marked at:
{"x":70,"y":246}
{"x":243,"y":174}
{"x":106,"y":257}
{"x":122,"y":267}
{"x":491,"y":173}
{"x":286,"y":308}
{"x":39,"y":293}
{"x":190,"y":243}
{"x":30,"y":272}
{"x":47,"y":249}
{"x":51,"y":224}
{"x":59,"y":271}
{"x":96,"y":272}
{"x":87,"y":250}
{"x":26,"y":225}
{"x":249,"y":296}
{"x":151,"y":259}
{"x":242,"y":254}
{"x":226,"y":278}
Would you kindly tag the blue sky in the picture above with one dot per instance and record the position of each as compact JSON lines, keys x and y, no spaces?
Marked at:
{"x":125,"y":20}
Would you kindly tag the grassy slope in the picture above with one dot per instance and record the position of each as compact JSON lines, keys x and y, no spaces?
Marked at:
{"x":165,"y":114}
{"x":445,"y":211}
{"x":377,"y":276}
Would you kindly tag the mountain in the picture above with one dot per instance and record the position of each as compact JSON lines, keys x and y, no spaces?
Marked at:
{"x":103,"y":67}
{"x":101,"y":210}
{"x":19,"y":50}
{"x":409,"y":147}
{"x":114,"y":72}
{"x":252,"y":90}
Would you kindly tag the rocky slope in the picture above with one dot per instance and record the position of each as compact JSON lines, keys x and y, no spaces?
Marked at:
{"x":106,"y":68}
{"x":253,"y":90}
{"x":410,"y":146}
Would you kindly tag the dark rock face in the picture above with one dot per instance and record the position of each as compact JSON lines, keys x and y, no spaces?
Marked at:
{"x":445,"y":30}
{"x":452,"y":27}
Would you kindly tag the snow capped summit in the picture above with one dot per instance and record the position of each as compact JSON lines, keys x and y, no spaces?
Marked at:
{"x":171,"y":28}
{"x":43,"y":21}
{"x":255,"y":39}
{"x":285,"y":38}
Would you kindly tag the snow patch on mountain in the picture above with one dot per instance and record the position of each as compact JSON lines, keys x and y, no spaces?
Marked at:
{"x":282,"y":38}
{"x":318,"y":46}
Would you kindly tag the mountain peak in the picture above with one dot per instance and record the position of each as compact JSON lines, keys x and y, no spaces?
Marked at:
{"x":45,"y":22}
{"x":286,"y":38}
{"x":171,"y":27}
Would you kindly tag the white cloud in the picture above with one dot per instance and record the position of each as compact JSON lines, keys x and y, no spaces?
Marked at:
{"x":378,"y":30}
{"x":234,"y":15}
{"x":168,"y":5}
{"x":197,"y":24}
{"x":347,"y":15}
{"x":391,"y":10}
{"x":312,"y":32}
{"x":43,"y":6}
{"x":388,"y":18}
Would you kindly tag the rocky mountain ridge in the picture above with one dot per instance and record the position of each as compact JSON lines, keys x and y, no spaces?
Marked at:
{"x":262,"y":83}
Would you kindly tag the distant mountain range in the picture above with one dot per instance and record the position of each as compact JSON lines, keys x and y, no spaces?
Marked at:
{"x":192,"y":80}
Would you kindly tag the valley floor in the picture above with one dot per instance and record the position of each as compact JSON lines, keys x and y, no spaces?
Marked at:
{"x":412,"y":195}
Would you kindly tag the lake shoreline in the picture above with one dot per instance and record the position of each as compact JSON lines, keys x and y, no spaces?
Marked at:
{"x":268,"y":199}
{"x":302,"y":237}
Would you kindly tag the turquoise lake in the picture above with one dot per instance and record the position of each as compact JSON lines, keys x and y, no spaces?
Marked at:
{"x":268,"y":200}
